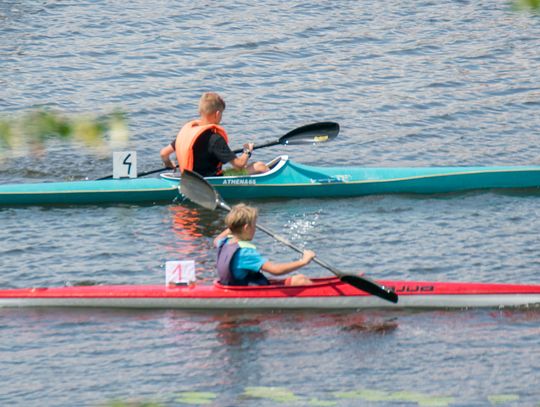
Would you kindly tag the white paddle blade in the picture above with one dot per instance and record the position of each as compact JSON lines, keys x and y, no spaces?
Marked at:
{"x":198,"y":190}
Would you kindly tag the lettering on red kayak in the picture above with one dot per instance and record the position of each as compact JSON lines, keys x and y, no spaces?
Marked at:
{"x":242,"y":181}
{"x":411,"y":288}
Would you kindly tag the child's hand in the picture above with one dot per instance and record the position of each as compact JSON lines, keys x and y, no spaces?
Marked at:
{"x":249,"y":146}
{"x":308,"y":256}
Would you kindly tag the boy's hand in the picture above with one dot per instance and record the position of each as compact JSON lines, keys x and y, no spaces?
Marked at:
{"x":249,"y":147}
{"x":308,"y":256}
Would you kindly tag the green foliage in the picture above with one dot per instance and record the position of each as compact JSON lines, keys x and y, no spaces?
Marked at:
{"x":420,"y":399}
{"x":284,"y":396}
{"x":32,"y":130}
{"x":276,"y":394}
{"x":5,"y":134}
{"x":533,"y":5}
{"x":196,"y":398}
{"x":503,"y":398}
{"x":120,"y":403}
{"x":230,"y":172}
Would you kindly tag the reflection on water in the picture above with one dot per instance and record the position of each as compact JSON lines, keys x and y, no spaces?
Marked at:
{"x":192,"y":223}
{"x":241,"y":344}
{"x":186,"y":223}
{"x":246,"y":328}
{"x":239,"y":331}
{"x":192,"y":239}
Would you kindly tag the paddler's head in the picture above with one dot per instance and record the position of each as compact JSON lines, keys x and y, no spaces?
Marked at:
{"x":211,"y":107}
{"x":241,"y":221}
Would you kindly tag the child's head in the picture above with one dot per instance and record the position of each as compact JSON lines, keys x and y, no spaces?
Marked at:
{"x":240,"y":218}
{"x":211,"y":103}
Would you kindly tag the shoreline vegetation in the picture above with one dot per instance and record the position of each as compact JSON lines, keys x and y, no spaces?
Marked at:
{"x":533,"y":5}
{"x":29,"y":133}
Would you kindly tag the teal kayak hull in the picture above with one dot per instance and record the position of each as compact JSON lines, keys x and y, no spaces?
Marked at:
{"x":293,"y":180}
{"x":286,"y":179}
{"x":137,"y":190}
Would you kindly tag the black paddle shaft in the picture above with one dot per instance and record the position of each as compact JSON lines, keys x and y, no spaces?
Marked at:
{"x":141,"y":174}
{"x":360,"y":282}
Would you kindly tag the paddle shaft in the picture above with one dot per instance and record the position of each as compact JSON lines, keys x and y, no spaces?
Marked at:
{"x":141,"y":174}
{"x":287,"y":243}
{"x":270,"y":144}
{"x":298,"y":249}
{"x":360,"y":282}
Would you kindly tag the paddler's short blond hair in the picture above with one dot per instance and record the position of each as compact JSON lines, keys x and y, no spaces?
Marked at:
{"x":210,"y":103}
{"x":239,"y":216}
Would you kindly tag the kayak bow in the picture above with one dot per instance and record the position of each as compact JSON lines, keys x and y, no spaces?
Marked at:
{"x":286,"y":179}
{"x":325,"y":293}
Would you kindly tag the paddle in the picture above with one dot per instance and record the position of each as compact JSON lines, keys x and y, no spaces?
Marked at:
{"x":309,"y":134}
{"x":313,"y":133}
{"x":141,"y":174}
{"x":198,"y":190}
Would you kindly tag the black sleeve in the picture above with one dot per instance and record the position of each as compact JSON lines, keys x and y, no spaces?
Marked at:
{"x":220,"y":149}
{"x":173,"y":144}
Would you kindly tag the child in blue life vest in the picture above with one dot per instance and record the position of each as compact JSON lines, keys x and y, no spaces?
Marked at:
{"x":239,"y":262}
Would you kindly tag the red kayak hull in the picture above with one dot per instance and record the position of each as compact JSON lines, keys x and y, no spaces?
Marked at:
{"x":329,"y":293}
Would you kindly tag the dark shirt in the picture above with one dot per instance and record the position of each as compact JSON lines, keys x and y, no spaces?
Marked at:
{"x":209,"y":151}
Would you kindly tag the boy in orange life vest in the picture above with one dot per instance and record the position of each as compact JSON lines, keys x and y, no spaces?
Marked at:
{"x":202,"y":145}
{"x":239,"y":262}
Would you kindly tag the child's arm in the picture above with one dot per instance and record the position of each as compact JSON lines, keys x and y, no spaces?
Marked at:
{"x":241,"y":161}
{"x":222,"y":235}
{"x":165,"y":154}
{"x":278,"y":269}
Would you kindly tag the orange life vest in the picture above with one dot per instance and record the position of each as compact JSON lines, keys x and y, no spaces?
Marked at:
{"x":186,"y":138}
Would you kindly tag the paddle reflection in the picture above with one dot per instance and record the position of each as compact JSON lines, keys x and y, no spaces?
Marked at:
{"x":193,"y":230}
{"x":186,"y":223}
{"x":192,"y":223}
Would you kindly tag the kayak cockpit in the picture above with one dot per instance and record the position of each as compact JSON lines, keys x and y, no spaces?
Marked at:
{"x":274,"y":165}
{"x":279,"y":284}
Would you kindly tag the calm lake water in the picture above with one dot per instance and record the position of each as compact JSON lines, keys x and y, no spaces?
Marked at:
{"x":417,"y":83}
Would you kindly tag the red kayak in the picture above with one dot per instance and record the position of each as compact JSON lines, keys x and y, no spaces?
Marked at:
{"x":325,"y":293}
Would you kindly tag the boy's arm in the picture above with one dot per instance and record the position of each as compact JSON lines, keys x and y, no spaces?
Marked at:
{"x":165,"y":156}
{"x":219,"y":147}
{"x":241,"y":161}
{"x":222,"y":235}
{"x":278,"y":269}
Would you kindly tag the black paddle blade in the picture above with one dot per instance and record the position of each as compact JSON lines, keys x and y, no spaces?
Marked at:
{"x":197,"y":189}
{"x":311,"y":133}
{"x":365,"y":284}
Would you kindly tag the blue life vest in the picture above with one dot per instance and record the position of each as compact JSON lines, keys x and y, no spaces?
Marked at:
{"x":225,"y":256}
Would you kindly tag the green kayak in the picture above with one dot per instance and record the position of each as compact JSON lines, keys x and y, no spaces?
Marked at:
{"x":286,"y":179}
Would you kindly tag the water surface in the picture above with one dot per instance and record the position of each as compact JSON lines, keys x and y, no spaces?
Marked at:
{"x":418,"y":84}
